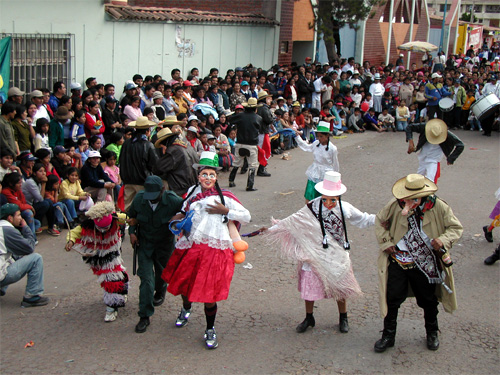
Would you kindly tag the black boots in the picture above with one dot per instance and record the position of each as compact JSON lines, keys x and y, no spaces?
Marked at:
{"x":261,"y":172}
{"x":343,"y":324}
{"x":432,"y":328}
{"x":308,"y":322}
{"x":159,"y":297}
{"x":142,"y":326}
{"x":232,"y":176}
{"x":389,"y":332}
{"x":251,"y":180}
{"x":487,"y":234}
{"x":493,"y":257}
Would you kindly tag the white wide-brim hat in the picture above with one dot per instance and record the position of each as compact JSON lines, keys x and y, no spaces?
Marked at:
{"x":331,"y":185}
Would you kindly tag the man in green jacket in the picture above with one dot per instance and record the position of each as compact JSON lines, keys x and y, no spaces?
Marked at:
{"x":56,"y":137}
{"x":459,"y":96}
{"x":152,"y":209}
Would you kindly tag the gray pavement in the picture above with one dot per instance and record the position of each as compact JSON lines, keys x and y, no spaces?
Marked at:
{"x":256,"y":325}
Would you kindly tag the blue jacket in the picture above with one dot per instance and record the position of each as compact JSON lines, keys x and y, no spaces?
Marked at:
{"x":435,"y":91}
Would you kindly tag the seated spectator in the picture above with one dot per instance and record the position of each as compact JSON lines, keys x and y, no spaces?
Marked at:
{"x":115,"y":144}
{"x":7,"y":163}
{"x":27,"y":161}
{"x":95,"y":181}
{"x":371,"y":121}
{"x":95,"y":143}
{"x":355,"y":123}
{"x":386,"y":121}
{"x":113,"y":171}
{"x":78,"y":125}
{"x":60,"y":208}
{"x":71,"y":190}
{"x":23,"y":132}
{"x":34,"y":191}
{"x":17,"y":251}
{"x":12,"y":190}
{"x":133,"y":110}
{"x":43,"y":157}
{"x":93,"y":122}
{"x":159,"y":111}
{"x":61,"y":161}
{"x":42,"y":134}
{"x":56,"y":126}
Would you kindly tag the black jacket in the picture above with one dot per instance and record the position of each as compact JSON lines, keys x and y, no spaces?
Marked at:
{"x":93,"y":177}
{"x":452,"y":147}
{"x":305,"y":89}
{"x":267,"y":118}
{"x":137,"y":159}
{"x":248,"y":125}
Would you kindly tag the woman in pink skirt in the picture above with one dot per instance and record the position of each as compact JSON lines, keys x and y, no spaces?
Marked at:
{"x":316,"y":237}
{"x":202,"y":265}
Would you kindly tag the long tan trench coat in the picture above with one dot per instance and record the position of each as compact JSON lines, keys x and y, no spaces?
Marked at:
{"x":439,"y":222}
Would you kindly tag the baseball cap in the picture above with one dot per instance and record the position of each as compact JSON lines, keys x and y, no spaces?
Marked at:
{"x":36,"y":94}
{"x":130,"y":86}
{"x":239,"y":106}
{"x":244,"y":83}
{"x":14,"y":91}
{"x":75,"y":86}
{"x":152,"y":187}
{"x":187,"y":83}
{"x":435,"y":75}
{"x":193,"y":117}
{"x":26,"y":155}
{"x":93,"y":154}
{"x":60,"y":149}
{"x":8,"y":209}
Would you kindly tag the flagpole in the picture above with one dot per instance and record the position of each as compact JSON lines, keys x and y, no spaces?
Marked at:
{"x":389,"y":36}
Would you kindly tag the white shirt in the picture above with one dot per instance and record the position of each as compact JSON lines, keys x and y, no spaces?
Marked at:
{"x":318,"y":86}
{"x":491,"y":88}
{"x":376,"y":89}
{"x":323,"y":160}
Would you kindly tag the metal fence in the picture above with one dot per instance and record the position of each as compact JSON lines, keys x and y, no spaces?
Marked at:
{"x":39,"y":60}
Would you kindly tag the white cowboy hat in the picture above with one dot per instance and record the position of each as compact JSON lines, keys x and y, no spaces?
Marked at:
{"x":436,"y":131}
{"x":331,"y":185}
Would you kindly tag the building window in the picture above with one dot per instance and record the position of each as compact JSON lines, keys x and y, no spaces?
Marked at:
{"x":39,"y":60}
{"x":441,"y":8}
{"x":284,"y":47}
{"x":492,"y":9}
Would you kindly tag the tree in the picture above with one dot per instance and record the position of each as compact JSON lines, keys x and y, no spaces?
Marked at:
{"x":332,"y":15}
{"x":466,"y":17}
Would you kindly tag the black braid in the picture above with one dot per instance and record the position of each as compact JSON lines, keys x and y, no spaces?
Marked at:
{"x":347,"y":245}
{"x":217,"y":187}
{"x":189,"y":195}
{"x":322,"y":225}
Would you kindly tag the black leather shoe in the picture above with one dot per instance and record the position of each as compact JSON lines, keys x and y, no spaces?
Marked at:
{"x":343,"y":325}
{"x":488,"y":235}
{"x":492,"y":258}
{"x":432,"y":341}
{"x":384,"y":343}
{"x":302,"y":327}
{"x":232,"y":184}
{"x":261,"y":172}
{"x":159,"y":298}
{"x":142,"y":326}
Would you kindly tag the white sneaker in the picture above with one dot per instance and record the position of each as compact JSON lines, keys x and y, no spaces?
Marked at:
{"x":211,"y":341}
{"x":339,"y":132}
{"x":110,"y":316}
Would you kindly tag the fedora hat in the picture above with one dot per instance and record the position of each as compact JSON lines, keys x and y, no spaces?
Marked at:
{"x":262,"y":95}
{"x":413,"y":186}
{"x":331,"y":185}
{"x":252,"y":103}
{"x":62,"y":113}
{"x":162,"y":135}
{"x":142,"y":122}
{"x":208,"y":159}
{"x":436,"y":131}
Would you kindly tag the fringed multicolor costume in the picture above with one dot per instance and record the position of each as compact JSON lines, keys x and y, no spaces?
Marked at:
{"x":104,"y":259}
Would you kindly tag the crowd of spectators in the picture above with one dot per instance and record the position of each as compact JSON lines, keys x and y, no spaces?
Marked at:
{"x":60,"y":148}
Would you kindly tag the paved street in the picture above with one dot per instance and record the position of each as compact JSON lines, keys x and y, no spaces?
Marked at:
{"x":256,"y":325}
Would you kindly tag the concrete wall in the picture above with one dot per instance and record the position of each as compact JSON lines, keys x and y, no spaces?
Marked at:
{"x":114,"y":51}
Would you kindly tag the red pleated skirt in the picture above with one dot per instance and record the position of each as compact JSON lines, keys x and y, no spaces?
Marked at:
{"x":201,"y":273}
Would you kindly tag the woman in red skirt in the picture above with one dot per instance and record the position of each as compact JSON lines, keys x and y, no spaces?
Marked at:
{"x":202,"y":265}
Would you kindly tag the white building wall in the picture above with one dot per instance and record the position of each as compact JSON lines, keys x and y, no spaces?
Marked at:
{"x":115,"y":51}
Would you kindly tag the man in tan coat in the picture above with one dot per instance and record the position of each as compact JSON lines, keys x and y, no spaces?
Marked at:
{"x":415,"y":232}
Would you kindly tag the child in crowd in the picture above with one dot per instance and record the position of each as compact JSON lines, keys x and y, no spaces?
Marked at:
{"x":115,"y":144}
{"x":402,"y":115}
{"x":343,"y":122}
{"x":82,"y":148}
{"x":211,"y":143}
{"x":71,"y":190}
{"x":413,"y":114}
{"x":371,"y":121}
{"x":60,"y":208}
{"x":232,"y":139}
{"x":355,"y":123}
{"x":386,"y":121}
{"x":113,"y":172}
{"x":464,"y":116}
{"x":42,"y":134}
{"x":78,"y":125}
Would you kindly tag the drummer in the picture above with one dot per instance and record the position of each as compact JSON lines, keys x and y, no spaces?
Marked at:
{"x":435,"y":141}
{"x":492,"y":87}
{"x":434,"y":92}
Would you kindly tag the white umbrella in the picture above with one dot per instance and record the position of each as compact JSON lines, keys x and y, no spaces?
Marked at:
{"x":418,"y":47}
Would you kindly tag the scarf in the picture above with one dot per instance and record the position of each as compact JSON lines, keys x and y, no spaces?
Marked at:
{"x":332,"y":223}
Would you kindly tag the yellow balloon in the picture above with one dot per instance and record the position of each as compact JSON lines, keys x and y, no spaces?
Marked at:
{"x":1,"y":81}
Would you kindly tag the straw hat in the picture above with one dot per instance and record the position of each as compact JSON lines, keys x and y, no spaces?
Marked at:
{"x":262,"y":95}
{"x":252,"y":103}
{"x":436,"y":131}
{"x":142,"y":122}
{"x":170,"y":120}
{"x":208,"y":159}
{"x":162,"y":135}
{"x":413,"y":186}
{"x":331,"y":185}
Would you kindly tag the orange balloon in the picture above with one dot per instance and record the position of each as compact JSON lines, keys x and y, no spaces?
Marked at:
{"x":240,"y":245}
{"x":239,"y":257}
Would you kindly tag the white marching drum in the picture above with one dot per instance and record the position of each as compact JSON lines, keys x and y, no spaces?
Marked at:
{"x":446,"y":104}
{"x":485,"y":106}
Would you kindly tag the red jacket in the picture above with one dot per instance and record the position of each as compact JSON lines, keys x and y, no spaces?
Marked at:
{"x":16,"y":197}
{"x":90,"y":124}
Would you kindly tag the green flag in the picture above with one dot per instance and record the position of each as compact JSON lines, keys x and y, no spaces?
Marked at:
{"x":5,"y":46}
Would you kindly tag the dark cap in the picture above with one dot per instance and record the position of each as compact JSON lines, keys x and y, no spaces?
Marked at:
{"x":59,"y":149}
{"x":8,"y":209}
{"x":152,"y":187}
{"x":110,"y":99}
{"x":26,"y":155}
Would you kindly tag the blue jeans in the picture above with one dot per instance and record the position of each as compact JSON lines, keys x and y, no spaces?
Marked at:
{"x":45,"y":208}
{"x":58,"y":212}
{"x":31,"y":265}
{"x":401,"y":125}
{"x":70,"y":206}
{"x":30,"y":220}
